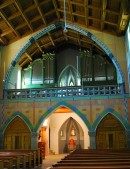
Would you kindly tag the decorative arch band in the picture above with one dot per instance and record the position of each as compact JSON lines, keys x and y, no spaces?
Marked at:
{"x":62,"y":103}
{"x":70,"y":26}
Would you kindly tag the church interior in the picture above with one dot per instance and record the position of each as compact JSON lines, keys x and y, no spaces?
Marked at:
{"x":64,"y":77}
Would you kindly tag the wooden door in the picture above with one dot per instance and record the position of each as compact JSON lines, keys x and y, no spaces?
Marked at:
{"x":110,"y":140}
{"x":110,"y":134}
{"x":17,"y":135}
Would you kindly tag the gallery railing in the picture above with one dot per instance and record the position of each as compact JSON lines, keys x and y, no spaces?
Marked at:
{"x":62,"y":92}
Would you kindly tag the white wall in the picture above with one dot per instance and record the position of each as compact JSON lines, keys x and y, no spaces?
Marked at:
{"x":127,"y":43}
{"x":56,"y":120}
{"x":14,"y":78}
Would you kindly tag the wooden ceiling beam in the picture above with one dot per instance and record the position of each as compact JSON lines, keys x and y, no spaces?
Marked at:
{"x":21,"y":25}
{"x":9,"y":24}
{"x":55,"y":6}
{"x":35,"y":19}
{"x":16,"y":14}
{"x":94,"y":7}
{"x":6,"y":32}
{"x":111,"y":23}
{"x":24,"y":17}
{"x":39,"y":47}
{"x":24,"y":62}
{"x":3,"y":41}
{"x":79,"y":38}
{"x":29,"y":56}
{"x":2,"y":22}
{"x":92,"y":18}
{"x":123,"y":20}
{"x":30,"y":8}
{"x":44,"y":2}
{"x":34,"y":52}
{"x":40,"y":12}
{"x":86,"y":12}
{"x":44,"y":20}
{"x":112,"y":12}
{"x":6,"y":3}
{"x":48,"y":43}
{"x":103,"y":13}
{"x":71,"y":11}
{"x":78,"y":14}
{"x":50,"y":12}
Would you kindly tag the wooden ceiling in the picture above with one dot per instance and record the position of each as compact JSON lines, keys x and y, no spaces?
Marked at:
{"x":19,"y":18}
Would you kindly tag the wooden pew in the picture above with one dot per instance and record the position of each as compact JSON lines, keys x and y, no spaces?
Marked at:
{"x":93,"y":167}
{"x":15,"y":160}
{"x":21,"y":158}
{"x":97,"y":163}
{"x":1,"y":164}
{"x":94,"y":160}
{"x":91,"y":159}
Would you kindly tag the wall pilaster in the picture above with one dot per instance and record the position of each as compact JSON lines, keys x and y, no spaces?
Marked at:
{"x":128,"y":138}
{"x":92,"y":135}
{"x":34,"y":140}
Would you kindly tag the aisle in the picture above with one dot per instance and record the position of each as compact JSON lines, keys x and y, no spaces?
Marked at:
{"x":51,"y":159}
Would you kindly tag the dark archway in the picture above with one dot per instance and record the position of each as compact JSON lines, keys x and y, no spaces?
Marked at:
{"x":110,"y":133}
{"x":17,"y":135}
{"x":71,"y":136}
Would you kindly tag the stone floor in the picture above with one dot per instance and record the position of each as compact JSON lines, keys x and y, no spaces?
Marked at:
{"x":51,"y":159}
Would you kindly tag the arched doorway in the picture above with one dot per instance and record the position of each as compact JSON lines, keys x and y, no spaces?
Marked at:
{"x":71,"y":136}
{"x":55,"y":121}
{"x":17,"y":135}
{"x":110,"y":134}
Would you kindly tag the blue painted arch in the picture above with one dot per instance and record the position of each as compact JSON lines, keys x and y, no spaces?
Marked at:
{"x":12,"y":117}
{"x":53,"y":108}
{"x":70,"y":26}
{"x":114,"y":113}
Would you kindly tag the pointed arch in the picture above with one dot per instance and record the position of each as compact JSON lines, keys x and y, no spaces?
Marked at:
{"x":69,"y":74}
{"x":70,"y":141}
{"x":13,"y":116}
{"x":62,"y":103}
{"x":70,"y":26}
{"x":114,"y":113}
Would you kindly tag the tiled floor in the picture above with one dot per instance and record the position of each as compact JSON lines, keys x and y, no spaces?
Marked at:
{"x":51,"y":159}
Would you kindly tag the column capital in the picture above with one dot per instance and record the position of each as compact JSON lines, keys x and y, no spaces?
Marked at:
{"x":92,"y":133}
{"x":128,"y":132}
{"x":34,"y":134}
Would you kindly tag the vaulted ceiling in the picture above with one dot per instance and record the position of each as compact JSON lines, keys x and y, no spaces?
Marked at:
{"x":19,"y":18}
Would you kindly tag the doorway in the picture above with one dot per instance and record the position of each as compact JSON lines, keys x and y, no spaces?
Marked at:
{"x":17,"y":135}
{"x":110,"y":134}
{"x":55,"y":135}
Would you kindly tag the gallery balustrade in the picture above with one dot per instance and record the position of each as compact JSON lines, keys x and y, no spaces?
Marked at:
{"x":63,"y":92}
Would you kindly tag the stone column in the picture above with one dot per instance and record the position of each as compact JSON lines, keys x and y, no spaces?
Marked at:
{"x":34,"y":140}
{"x":92,"y":135}
{"x":128,"y":138}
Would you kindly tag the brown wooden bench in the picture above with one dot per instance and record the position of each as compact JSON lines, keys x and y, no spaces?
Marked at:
{"x":97,"y":163}
{"x":16,"y":160}
{"x":95,"y":159}
{"x":93,"y":167}
{"x":21,"y":158}
{"x":36,"y":154}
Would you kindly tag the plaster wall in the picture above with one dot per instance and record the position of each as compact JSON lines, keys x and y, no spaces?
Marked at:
{"x":89,"y":108}
{"x":56,"y":121}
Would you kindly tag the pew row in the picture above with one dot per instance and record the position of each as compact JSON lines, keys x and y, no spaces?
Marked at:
{"x":91,"y":159}
{"x":15,"y":159}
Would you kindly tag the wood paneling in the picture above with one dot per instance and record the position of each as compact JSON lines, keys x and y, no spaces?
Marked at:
{"x":110,"y":134}
{"x":17,"y":136}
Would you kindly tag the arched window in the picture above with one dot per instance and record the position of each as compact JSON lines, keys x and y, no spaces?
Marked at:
{"x":69,"y":77}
